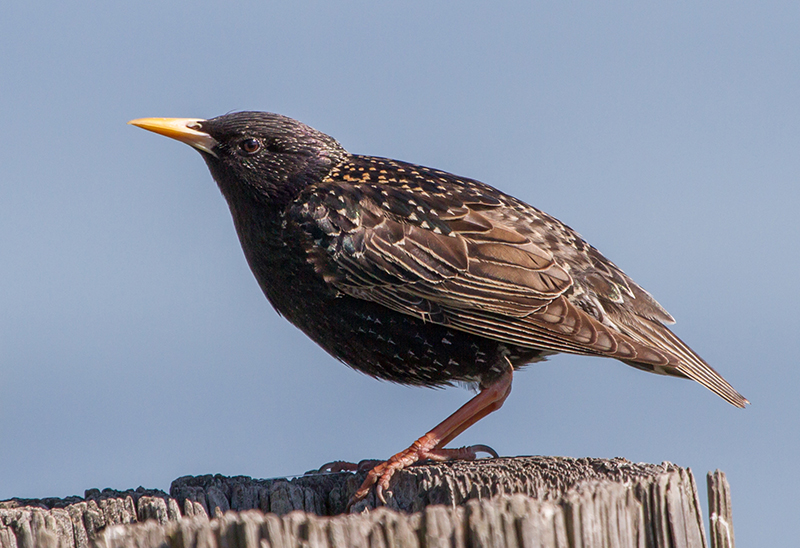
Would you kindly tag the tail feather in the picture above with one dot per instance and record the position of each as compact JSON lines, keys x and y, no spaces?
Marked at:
{"x":684,"y":361}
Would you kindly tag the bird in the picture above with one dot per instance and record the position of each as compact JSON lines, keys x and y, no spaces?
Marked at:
{"x":421,"y":277}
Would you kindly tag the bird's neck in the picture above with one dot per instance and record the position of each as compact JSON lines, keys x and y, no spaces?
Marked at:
{"x":277,"y":260}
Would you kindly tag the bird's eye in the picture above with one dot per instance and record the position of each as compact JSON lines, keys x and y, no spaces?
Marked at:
{"x":250,"y":146}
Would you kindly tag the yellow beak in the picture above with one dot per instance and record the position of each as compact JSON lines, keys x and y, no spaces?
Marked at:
{"x":185,"y":130}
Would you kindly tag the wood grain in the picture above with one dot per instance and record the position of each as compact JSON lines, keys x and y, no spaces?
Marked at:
{"x":525,"y":501}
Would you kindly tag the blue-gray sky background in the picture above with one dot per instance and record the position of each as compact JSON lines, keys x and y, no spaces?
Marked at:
{"x":136,"y":347}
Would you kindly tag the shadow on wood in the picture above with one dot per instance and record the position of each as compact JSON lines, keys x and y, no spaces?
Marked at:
{"x":523,"y":501}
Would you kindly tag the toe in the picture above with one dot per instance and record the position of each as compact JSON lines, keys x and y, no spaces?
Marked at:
{"x":335,"y":466}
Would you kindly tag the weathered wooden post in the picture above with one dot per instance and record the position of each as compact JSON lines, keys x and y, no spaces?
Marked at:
{"x":525,"y":501}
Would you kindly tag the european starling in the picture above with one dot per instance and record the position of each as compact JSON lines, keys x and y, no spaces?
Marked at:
{"x":422,"y":277}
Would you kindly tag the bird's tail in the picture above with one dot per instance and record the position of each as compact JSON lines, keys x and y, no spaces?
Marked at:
{"x":684,"y":362}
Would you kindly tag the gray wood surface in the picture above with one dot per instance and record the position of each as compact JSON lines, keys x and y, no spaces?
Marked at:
{"x":524,"y":501}
{"x":719,"y":511}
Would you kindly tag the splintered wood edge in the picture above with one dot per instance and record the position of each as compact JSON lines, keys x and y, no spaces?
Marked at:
{"x":720,"y":514}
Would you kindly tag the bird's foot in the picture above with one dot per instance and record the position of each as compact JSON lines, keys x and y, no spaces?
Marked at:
{"x":345,"y":466}
{"x":421,"y":450}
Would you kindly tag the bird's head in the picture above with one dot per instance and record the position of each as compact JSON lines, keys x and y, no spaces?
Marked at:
{"x":259,"y":154}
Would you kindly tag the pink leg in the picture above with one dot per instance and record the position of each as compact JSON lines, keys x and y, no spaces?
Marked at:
{"x":431,"y":445}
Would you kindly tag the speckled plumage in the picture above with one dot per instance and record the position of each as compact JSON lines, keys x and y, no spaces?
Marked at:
{"x":422,"y":277}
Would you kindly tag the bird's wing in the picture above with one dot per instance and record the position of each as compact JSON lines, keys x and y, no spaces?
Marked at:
{"x":463,"y":254}
{"x":448,"y":258}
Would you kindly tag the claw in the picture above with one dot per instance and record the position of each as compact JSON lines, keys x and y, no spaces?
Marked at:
{"x":485,"y":449}
{"x":367,"y":464}
{"x":335,"y":466}
{"x":379,"y":494}
{"x":359,"y":495}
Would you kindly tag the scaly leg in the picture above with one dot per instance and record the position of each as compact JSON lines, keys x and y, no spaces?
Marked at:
{"x":431,"y":445}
